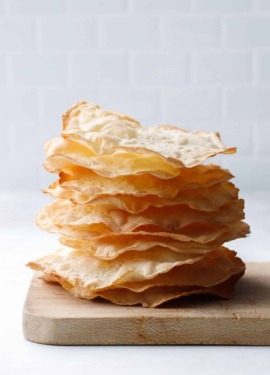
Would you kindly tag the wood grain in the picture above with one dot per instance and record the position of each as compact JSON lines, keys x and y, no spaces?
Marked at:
{"x":53,"y":316}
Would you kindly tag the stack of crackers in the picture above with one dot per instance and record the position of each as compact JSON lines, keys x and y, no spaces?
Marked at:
{"x":141,"y":219}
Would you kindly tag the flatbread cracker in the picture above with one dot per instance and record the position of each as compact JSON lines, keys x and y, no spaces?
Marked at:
{"x":87,"y":182}
{"x":85,"y":277}
{"x":63,"y":212}
{"x":155,"y":296}
{"x":108,"y":133}
{"x":112,"y":245}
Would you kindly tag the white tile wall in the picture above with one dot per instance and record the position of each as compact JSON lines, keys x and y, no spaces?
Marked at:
{"x":198,"y":64}
{"x":223,"y":5}
{"x":3,"y":70}
{"x":17,"y":34}
{"x":263,"y":4}
{"x":223,"y":67}
{"x":247,"y":103}
{"x":67,"y":32}
{"x":128,"y":32}
{"x":160,"y":6}
{"x":99,"y":6}
{"x":17,"y":106}
{"x":196,"y":32}
{"x":100,"y":68}
{"x":31,"y":69}
{"x":160,"y":69}
{"x":263,"y":67}
{"x":2,"y":6}
{"x":192,"y":103}
{"x":34,"y":7}
{"x":247,"y":31}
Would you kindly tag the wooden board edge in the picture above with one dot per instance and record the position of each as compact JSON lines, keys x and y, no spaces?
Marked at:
{"x":146,"y":331}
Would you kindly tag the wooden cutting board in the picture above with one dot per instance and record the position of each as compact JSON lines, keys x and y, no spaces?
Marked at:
{"x":53,"y":316}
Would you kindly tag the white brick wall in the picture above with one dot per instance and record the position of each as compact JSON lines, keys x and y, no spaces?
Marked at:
{"x":191,"y":104}
{"x":247,"y":103}
{"x":3,"y":70}
{"x":248,"y":31}
{"x":160,"y":69}
{"x":17,"y":106}
{"x":34,"y":7}
{"x":17,"y":34}
{"x":223,"y":5}
{"x":125,"y":32}
{"x":99,"y":6}
{"x":263,"y":4}
{"x":198,"y":64}
{"x":160,"y":6}
{"x":31,"y":69}
{"x":99,"y":68}
{"x":223,"y":67}
{"x":2,"y":6}
{"x":264,"y":67}
{"x":190,"y":32}
{"x":69,"y":33}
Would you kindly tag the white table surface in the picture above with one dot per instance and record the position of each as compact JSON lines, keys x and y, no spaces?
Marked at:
{"x":22,"y":241}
